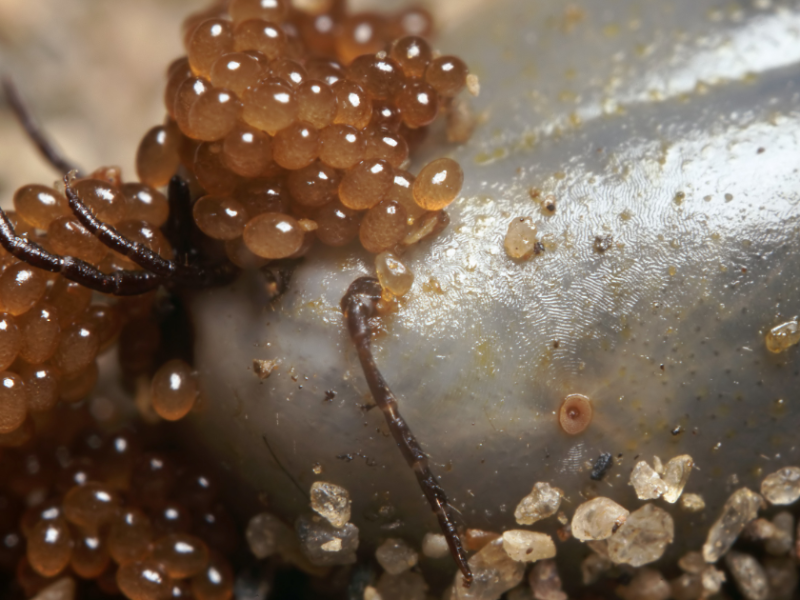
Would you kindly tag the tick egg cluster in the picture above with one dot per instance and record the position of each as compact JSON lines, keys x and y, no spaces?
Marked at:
{"x":297,"y":127}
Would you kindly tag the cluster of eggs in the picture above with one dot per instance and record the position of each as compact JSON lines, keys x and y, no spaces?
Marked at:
{"x":101,"y":510}
{"x":296,"y":126}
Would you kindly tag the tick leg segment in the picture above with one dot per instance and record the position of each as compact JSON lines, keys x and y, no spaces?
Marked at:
{"x":358,"y":305}
{"x":172,"y":271}
{"x":121,"y":283}
{"x":26,"y":120}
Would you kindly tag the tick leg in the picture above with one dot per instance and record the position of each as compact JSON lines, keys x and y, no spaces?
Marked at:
{"x":121,"y":283}
{"x":37,"y":136}
{"x":171,"y":271}
{"x":358,"y":305}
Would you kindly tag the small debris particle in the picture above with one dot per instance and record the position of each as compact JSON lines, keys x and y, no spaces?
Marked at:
{"x":545,"y":582}
{"x":473,"y":85}
{"x":647,"y":584}
{"x":601,"y":466}
{"x":542,"y":502}
{"x":434,"y":545}
{"x":679,"y":198}
{"x":643,"y":537}
{"x":598,"y":519}
{"x":782,"y":337}
{"x":329,"y":395}
{"x":345,"y":457}
{"x":646,"y":482}
{"x":782,"y":487}
{"x":396,"y":556}
{"x":692,"y":502}
{"x":494,"y":571}
{"x":692,"y":562}
{"x":748,"y":575}
{"x":528,"y":546}
{"x":676,"y":475}
{"x":319,"y":541}
{"x":677,"y":430}
{"x":331,"y":502}
{"x":728,"y":197}
{"x":760,"y":151}
{"x":520,"y":239}
{"x":264,"y":368}
{"x":741,"y":508}
{"x":549,"y":204}
{"x":317,"y":469}
{"x":603,"y":243}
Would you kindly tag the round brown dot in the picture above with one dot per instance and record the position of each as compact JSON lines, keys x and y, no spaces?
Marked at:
{"x":400,"y":192}
{"x":13,"y":402}
{"x":21,"y":286}
{"x":89,"y":556}
{"x":39,"y":205}
{"x":210,"y":40}
{"x":157,"y":158}
{"x":106,"y":321}
{"x":129,"y":536}
{"x":90,"y":505}
{"x":341,"y":146}
{"x":146,"y":203}
{"x":41,"y":385}
{"x":316,"y":103}
{"x":413,"y":54}
{"x":261,"y":36}
{"x":322,"y":69}
{"x":76,"y":350}
{"x":360,"y":34}
{"x":366,"y":184}
{"x":575,"y":414}
{"x":387,"y":145}
{"x":319,"y":34}
{"x":354,"y":107}
{"x":188,"y":93}
{"x":41,"y":330}
{"x":76,"y":387}
{"x":215,"y":582}
{"x":296,"y":146}
{"x":143,"y":580}
{"x":270,"y":10}
{"x":264,"y":196}
{"x":236,"y":71}
{"x":210,"y":169}
{"x":182,"y":555}
{"x":247,"y":151}
{"x":270,"y":105}
{"x":71,"y":298}
{"x":273,"y":235}
{"x":418,"y":103}
{"x":10,"y":340}
{"x":107,"y":203}
{"x":385,"y":115}
{"x":380,"y":77}
{"x":447,"y":75}
{"x":68,"y":237}
{"x":314,"y":185}
{"x":214,"y":114}
{"x":219,"y":217}
{"x":337,"y":225}
{"x":178,"y":72}
{"x":438,"y":183}
{"x":383,"y":227}
{"x":288,"y":70}
{"x":50,"y":547}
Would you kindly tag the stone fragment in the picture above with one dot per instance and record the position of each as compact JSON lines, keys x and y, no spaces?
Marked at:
{"x":749,"y":576}
{"x":406,"y":586}
{"x":542,"y":502}
{"x":676,"y":474}
{"x":759,"y":530}
{"x":331,"y":501}
{"x":783,"y":336}
{"x":692,"y":502}
{"x":528,"y":546}
{"x":782,"y":540}
{"x":593,"y":567}
{"x":520,"y":240}
{"x":545,"y":582}
{"x":692,"y":562}
{"x":475,"y":539}
{"x":782,"y":487}
{"x":711,"y":580}
{"x":643,"y":537}
{"x":647,"y":584}
{"x":658,"y":466}
{"x":686,"y":587}
{"x":782,"y":578}
{"x":266,"y":534}
{"x":741,"y":508}
{"x":62,"y":589}
{"x":318,"y":541}
{"x":646,"y":482}
{"x":395,"y":556}
{"x":434,"y":545}
{"x":597,"y":519}
{"x":494,"y":571}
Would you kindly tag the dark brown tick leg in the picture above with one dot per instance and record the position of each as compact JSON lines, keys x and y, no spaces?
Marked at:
{"x":26,"y":120}
{"x":358,"y":305}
